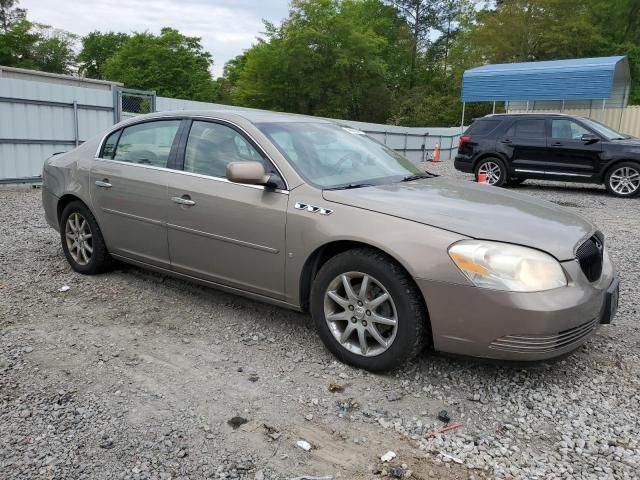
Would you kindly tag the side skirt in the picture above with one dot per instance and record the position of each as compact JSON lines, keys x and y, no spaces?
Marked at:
{"x":206,"y":283}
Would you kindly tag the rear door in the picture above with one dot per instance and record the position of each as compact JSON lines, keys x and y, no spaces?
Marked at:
{"x":129,"y":190}
{"x":525,"y":142}
{"x":570,"y":156}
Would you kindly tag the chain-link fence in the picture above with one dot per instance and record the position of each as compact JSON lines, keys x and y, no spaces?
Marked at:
{"x":129,"y":102}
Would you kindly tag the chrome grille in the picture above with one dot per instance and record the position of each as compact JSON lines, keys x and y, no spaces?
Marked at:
{"x":544,"y":343}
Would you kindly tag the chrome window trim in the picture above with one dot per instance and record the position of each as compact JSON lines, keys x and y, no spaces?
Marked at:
{"x":199,"y":175}
{"x":199,"y":117}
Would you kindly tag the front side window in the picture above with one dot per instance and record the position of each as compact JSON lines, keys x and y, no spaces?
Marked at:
{"x":328,"y":155}
{"x":527,"y":129}
{"x":212,"y":146}
{"x":147,"y":143}
{"x":567,"y":130}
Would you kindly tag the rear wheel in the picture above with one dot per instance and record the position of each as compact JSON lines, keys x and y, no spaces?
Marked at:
{"x":82,"y":240}
{"x":494,"y":171}
{"x":623,"y":179}
{"x":368,"y":311}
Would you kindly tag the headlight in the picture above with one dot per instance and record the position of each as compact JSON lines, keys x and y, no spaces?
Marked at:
{"x":501,"y":266}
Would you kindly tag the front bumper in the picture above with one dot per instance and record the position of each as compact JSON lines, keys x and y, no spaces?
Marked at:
{"x":472,"y":321}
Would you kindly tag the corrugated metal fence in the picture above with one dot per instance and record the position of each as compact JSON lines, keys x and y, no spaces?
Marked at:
{"x":40,"y":118}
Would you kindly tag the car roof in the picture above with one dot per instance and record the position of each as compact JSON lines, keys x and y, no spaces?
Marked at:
{"x":529,"y":114}
{"x":251,"y":115}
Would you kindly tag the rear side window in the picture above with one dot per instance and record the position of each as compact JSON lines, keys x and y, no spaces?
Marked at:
{"x":482,"y":127}
{"x":527,"y":129}
{"x":147,"y":143}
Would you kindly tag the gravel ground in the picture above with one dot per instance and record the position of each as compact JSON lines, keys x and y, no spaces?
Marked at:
{"x":134,"y":375}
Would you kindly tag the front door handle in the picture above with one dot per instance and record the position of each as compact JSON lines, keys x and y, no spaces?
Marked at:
{"x":103,"y":183}
{"x":183,"y":200}
{"x":506,"y":140}
{"x":556,"y":144}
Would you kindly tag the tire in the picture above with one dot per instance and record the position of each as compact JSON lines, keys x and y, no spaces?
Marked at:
{"x":76,"y":222}
{"x":404,"y":340}
{"x":492,"y":164}
{"x":516,"y":181}
{"x":623,"y":179}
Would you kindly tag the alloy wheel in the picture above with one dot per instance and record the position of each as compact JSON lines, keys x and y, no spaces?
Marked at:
{"x":79,"y":238}
{"x":625,"y":180}
{"x":491,"y":170}
{"x":360,"y":313}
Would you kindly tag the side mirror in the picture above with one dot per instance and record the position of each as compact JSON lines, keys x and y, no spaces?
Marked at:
{"x":589,"y":138}
{"x":247,"y":172}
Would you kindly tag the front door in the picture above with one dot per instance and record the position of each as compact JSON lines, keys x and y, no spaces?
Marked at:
{"x":570,"y":156}
{"x":129,"y":190}
{"x":227,"y":233}
{"x":526,"y":140}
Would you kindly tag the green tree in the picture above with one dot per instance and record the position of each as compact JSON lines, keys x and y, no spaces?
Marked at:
{"x":10,"y":14}
{"x":37,"y":47}
{"x":97,"y":48}
{"x":172,"y":64}
{"x":328,"y":58}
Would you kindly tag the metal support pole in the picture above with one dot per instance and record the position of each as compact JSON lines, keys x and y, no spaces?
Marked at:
{"x":527,"y":105}
{"x":75,"y":123}
{"x":506,"y":106}
{"x":494,"y":107}
{"x":562,"y":108}
{"x":464,"y":105}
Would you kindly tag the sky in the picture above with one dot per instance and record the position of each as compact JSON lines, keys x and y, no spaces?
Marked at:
{"x":227,"y":27}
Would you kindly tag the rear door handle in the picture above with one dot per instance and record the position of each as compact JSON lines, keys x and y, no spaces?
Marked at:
{"x":183,"y":200}
{"x":103,"y":183}
{"x":556,"y":144}
{"x":506,"y":140}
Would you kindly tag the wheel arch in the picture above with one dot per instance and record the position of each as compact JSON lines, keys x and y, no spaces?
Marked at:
{"x":483,"y":156}
{"x":611,"y":165}
{"x":65,"y":200}
{"x":324,"y":253}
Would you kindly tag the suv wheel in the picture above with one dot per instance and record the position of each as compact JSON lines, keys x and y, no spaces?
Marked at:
{"x":494,"y":169}
{"x":82,"y":240}
{"x":368,"y":311}
{"x":623,"y":179}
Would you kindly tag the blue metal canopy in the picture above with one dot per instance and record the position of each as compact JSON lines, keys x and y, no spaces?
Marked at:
{"x":576,"y":79}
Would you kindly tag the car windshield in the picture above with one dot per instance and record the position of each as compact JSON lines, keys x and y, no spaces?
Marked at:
{"x":602,"y":129}
{"x":327,"y":155}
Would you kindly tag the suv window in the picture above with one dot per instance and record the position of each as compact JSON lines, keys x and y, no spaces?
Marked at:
{"x":147,"y":143}
{"x":212,"y":146}
{"x":527,"y":129}
{"x":567,"y":129}
{"x":482,"y":127}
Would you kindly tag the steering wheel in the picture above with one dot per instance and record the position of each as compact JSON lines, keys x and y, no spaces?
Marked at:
{"x":351,"y":155}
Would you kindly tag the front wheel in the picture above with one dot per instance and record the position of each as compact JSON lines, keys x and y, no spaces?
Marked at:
{"x":623,"y":179}
{"x":494,"y":171}
{"x":368,"y":311}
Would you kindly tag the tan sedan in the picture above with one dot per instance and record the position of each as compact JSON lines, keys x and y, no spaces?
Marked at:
{"x":310,"y":215}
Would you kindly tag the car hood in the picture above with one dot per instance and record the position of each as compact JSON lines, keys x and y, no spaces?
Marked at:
{"x":477,"y":211}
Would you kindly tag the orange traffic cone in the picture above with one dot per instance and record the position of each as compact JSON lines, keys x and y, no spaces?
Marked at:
{"x":482,"y":178}
{"x":436,"y":154}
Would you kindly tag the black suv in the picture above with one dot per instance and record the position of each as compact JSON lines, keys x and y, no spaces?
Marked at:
{"x":510,"y":148}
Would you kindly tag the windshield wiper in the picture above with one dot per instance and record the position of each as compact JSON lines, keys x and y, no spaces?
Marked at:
{"x":349,"y":186}
{"x":418,"y":176}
